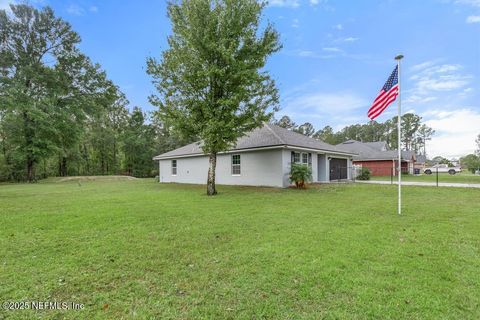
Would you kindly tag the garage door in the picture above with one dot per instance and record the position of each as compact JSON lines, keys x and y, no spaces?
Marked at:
{"x":338,"y":169}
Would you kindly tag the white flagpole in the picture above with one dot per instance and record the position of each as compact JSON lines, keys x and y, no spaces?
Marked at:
{"x":399,"y":119}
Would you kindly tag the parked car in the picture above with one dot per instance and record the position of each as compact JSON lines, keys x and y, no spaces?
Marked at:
{"x":442,"y":168}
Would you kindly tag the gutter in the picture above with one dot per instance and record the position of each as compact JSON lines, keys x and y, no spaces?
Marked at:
{"x":284,"y":146}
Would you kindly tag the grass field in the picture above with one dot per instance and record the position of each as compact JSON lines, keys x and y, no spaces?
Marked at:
{"x":139,"y":249}
{"x":463,"y":177}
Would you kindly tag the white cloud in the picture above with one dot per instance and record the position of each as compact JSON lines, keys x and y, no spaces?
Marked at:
{"x":455,"y":131}
{"x":312,"y":54}
{"x":284,"y":3}
{"x":295,"y":23}
{"x":75,"y":10}
{"x":314,"y":2}
{"x":338,"y":26}
{"x":431,"y":80}
{"x":332,"y":49}
{"x":474,"y":3}
{"x":93,"y":9}
{"x":347,"y":39}
{"x":473,"y":19}
{"x":317,"y":104}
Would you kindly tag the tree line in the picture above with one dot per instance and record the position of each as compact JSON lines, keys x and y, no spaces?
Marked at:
{"x":415,"y":134}
{"x":59,"y":113}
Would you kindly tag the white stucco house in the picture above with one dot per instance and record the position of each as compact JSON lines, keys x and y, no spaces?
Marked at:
{"x":260,"y":158}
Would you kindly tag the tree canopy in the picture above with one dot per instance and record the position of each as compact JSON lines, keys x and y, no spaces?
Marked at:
{"x":414,"y":132}
{"x":59,"y":113}
{"x":211,"y":80}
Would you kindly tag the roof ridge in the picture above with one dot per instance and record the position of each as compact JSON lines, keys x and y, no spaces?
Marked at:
{"x":274,"y":133}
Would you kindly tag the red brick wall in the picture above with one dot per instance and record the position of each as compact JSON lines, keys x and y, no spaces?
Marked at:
{"x":381,"y":167}
{"x":377,"y":168}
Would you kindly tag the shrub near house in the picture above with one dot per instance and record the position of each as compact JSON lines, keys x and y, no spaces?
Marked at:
{"x":300,"y":174}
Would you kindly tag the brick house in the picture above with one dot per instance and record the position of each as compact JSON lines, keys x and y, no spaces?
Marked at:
{"x":378,"y":158}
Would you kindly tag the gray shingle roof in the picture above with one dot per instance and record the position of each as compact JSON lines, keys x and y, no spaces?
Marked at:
{"x":267,"y":136}
{"x":372,"y":151}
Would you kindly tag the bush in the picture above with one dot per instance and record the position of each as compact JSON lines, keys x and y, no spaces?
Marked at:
{"x":300,"y":174}
{"x":364,"y":174}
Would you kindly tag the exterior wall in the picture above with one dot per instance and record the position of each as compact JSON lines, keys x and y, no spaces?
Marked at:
{"x":384,"y":167}
{"x":323,"y":168}
{"x":258,"y":168}
{"x":377,"y":168}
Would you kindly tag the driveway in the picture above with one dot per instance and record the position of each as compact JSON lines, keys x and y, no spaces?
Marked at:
{"x":426,"y":184}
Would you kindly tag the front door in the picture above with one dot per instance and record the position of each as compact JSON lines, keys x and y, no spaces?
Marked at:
{"x":338,"y":169}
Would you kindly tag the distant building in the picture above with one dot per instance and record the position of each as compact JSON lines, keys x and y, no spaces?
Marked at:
{"x":378,"y":158}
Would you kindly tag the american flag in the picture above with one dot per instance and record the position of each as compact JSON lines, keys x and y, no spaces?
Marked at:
{"x":387,"y":95}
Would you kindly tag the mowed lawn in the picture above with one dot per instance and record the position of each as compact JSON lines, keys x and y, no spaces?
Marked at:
{"x":463,"y":177}
{"x":140,"y":249}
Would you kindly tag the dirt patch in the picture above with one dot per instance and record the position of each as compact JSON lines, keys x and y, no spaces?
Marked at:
{"x":95,"y":178}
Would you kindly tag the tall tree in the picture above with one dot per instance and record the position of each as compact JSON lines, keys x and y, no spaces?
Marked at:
{"x":424,"y":134}
{"x":211,"y":81}
{"x":306,"y":129}
{"x":477,"y":141}
{"x":286,"y":122}
{"x":138,"y":145}
{"x":46,"y":84}
{"x":410,"y":125}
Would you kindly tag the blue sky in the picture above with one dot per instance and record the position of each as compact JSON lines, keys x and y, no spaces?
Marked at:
{"x":336,"y":56}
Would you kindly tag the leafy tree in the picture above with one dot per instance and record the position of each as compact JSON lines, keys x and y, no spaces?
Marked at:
{"x":46,"y":85}
{"x":477,"y":141}
{"x":424,"y":134}
{"x":410,"y":126}
{"x":210,"y":80}
{"x":327,"y":135}
{"x":471,"y":162}
{"x":286,"y":122}
{"x":138,"y":145}
{"x":306,"y":129}
{"x":166,"y":137}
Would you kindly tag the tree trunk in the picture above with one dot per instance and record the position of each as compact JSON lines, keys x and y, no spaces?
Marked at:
{"x":211,"y":191}
{"x":30,"y":170}
{"x":28,"y":134}
{"x":64,"y":166}
{"x":115,"y":156}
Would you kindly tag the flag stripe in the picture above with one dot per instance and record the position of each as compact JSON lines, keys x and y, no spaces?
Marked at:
{"x":387,"y":95}
{"x":383,"y":94}
{"x":387,"y":103}
{"x":379,"y":104}
{"x":381,"y":108}
{"x":384,"y":97}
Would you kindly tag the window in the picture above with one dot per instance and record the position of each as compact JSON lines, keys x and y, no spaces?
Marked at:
{"x":305,"y":158}
{"x":174,"y":167}
{"x":302,"y":157}
{"x":296,"y":157}
{"x":236,"y":164}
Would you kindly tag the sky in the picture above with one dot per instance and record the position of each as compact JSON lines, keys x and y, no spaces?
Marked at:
{"x":336,"y":56}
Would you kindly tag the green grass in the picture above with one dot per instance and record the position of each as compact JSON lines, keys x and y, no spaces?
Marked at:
{"x":463,"y":177}
{"x":139,"y":249}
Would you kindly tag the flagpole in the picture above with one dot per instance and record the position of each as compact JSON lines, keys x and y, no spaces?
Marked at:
{"x":399,"y":127}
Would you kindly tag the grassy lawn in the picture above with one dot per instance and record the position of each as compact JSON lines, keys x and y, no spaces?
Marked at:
{"x":139,"y":249}
{"x":463,"y":177}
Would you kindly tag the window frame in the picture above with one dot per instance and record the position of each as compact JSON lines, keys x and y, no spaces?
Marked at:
{"x":174,"y":167}
{"x":236,"y":165}
{"x":302,"y":158}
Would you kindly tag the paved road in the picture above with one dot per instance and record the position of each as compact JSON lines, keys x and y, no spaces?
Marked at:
{"x":426,"y":184}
